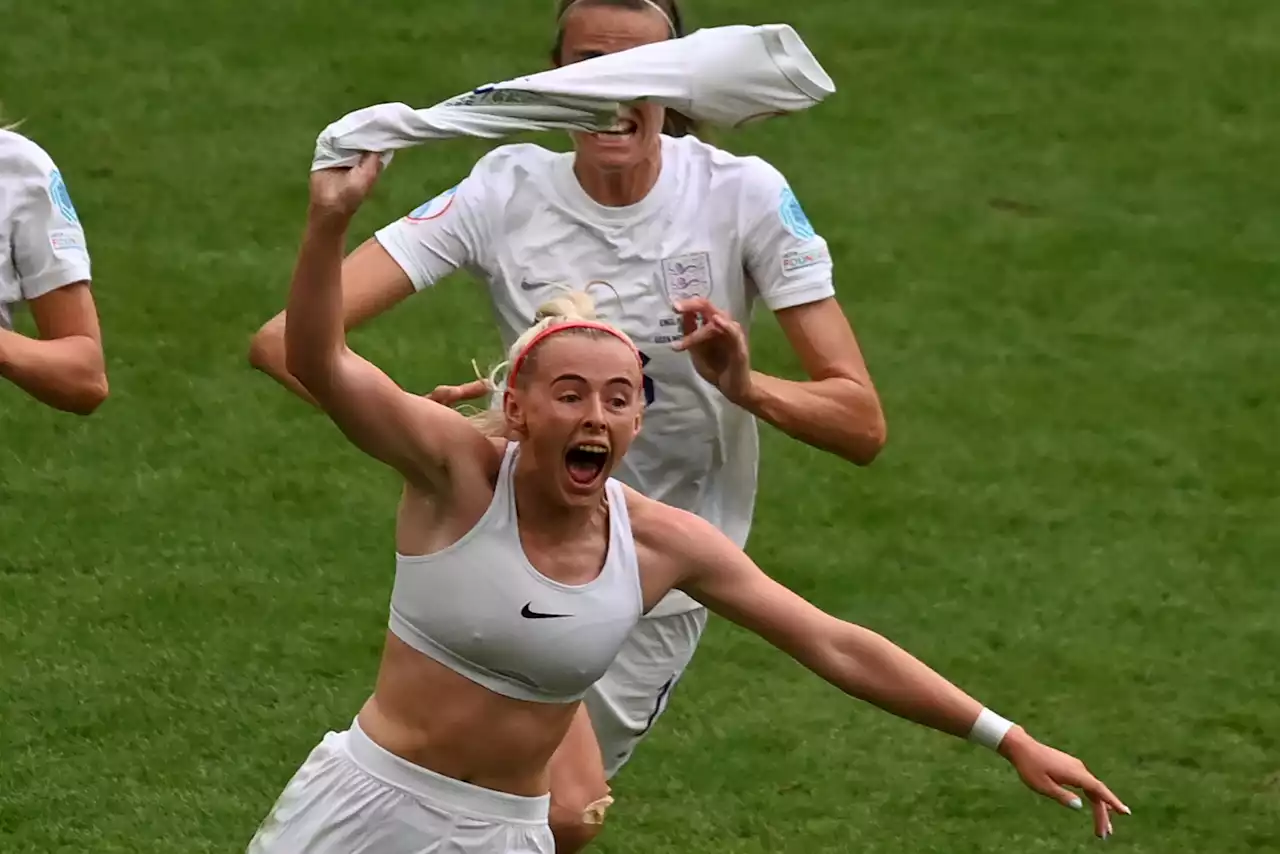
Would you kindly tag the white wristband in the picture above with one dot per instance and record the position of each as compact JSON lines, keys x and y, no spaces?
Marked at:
{"x":989,"y":729}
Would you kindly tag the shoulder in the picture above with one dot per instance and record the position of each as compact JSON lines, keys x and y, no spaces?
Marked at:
{"x":663,"y":531}
{"x":496,"y":178}
{"x":746,"y":170}
{"x":509,"y":162}
{"x":24,"y":158}
{"x":488,"y":189}
{"x":751,"y":184}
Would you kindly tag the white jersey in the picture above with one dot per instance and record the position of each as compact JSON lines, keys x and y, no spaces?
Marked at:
{"x":42,"y":246}
{"x":716,"y":225}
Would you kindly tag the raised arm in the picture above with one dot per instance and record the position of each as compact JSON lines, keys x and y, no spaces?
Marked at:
{"x":415,"y":436}
{"x":440,"y":236}
{"x":862,"y":663}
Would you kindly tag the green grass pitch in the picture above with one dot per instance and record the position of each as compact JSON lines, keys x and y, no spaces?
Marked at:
{"x":1055,"y":226}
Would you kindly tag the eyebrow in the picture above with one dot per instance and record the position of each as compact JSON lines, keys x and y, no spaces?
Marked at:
{"x":580,"y":379}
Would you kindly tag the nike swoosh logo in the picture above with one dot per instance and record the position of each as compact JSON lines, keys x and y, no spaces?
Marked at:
{"x":534,"y":615}
{"x":532,"y":286}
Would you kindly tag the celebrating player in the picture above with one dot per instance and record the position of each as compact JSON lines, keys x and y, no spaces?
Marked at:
{"x":684,"y":234}
{"x":522,"y":569}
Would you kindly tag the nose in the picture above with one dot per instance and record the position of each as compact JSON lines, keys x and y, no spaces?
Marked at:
{"x":594,"y":418}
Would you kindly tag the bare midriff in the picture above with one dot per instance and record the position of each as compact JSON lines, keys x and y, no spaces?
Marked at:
{"x":431,"y":716}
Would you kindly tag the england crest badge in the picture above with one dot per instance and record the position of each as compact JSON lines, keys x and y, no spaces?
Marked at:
{"x":687,"y":276}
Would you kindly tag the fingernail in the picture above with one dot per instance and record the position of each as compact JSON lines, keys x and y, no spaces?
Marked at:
{"x":1076,"y":804}
{"x":1124,"y":809}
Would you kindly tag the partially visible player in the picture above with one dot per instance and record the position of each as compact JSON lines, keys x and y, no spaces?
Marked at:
{"x":44,"y":266}
{"x":522,"y":567}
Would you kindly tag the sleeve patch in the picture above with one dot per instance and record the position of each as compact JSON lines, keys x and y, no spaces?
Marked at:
{"x":435,"y":208}
{"x":61,"y":197}
{"x":793,"y":216}
{"x":65,"y":239}
{"x":799,"y":259}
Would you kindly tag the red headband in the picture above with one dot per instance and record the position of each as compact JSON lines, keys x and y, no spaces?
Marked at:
{"x":561,"y":327}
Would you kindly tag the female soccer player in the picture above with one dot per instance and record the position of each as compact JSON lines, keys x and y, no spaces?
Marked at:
{"x":44,"y":264}
{"x":678,"y":230}
{"x":522,"y":569}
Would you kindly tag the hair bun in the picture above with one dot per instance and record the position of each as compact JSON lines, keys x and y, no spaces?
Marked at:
{"x":572,"y":305}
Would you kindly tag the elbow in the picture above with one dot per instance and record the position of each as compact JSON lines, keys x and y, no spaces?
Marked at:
{"x":89,"y":394}
{"x":864,"y":444}
{"x":89,"y":388}
{"x":267,"y":345}
{"x":870,"y":444}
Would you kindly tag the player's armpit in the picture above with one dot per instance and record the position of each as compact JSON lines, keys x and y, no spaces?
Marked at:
{"x":412,"y":434}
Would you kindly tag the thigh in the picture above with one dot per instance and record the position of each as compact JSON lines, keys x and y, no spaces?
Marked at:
{"x":635,"y":691}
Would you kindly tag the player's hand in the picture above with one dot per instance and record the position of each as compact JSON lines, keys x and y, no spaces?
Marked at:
{"x":448,"y":395}
{"x":718,"y":346}
{"x":1048,"y":771}
{"x":336,"y":194}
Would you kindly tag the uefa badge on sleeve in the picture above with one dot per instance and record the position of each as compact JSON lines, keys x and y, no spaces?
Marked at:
{"x":687,"y":276}
{"x":435,"y":208}
{"x":62,"y":198}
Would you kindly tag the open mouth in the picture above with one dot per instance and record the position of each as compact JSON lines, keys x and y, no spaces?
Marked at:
{"x":623,"y":128}
{"x":585,"y":462}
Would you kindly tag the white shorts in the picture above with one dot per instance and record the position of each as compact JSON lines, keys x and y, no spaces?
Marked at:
{"x":635,"y":690}
{"x":353,"y":797}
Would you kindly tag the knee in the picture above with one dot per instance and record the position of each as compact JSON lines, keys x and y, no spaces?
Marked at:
{"x":575,"y":822}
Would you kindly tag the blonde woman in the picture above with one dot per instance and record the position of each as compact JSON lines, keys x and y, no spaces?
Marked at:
{"x":522,"y":567}
{"x":685,"y":234}
{"x":44,"y":266}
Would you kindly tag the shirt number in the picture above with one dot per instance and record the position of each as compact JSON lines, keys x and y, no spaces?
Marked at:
{"x":648,"y":381}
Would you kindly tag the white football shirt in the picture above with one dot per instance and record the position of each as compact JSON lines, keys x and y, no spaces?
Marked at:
{"x":42,"y":245}
{"x":716,"y":225}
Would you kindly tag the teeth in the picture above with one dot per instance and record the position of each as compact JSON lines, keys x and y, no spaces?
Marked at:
{"x":597,"y":449}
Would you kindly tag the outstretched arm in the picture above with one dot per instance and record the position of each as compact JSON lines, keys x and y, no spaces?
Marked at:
{"x":866,"y":665}
{"x":372,"y":284}
{"x":414,"y":435}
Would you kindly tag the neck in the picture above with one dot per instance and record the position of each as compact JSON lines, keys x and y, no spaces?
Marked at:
{"x":622,"y":187}
{"x":544,"y":513}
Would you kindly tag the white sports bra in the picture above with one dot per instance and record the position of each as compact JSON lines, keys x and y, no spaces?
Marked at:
{"x":481,"y":609}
